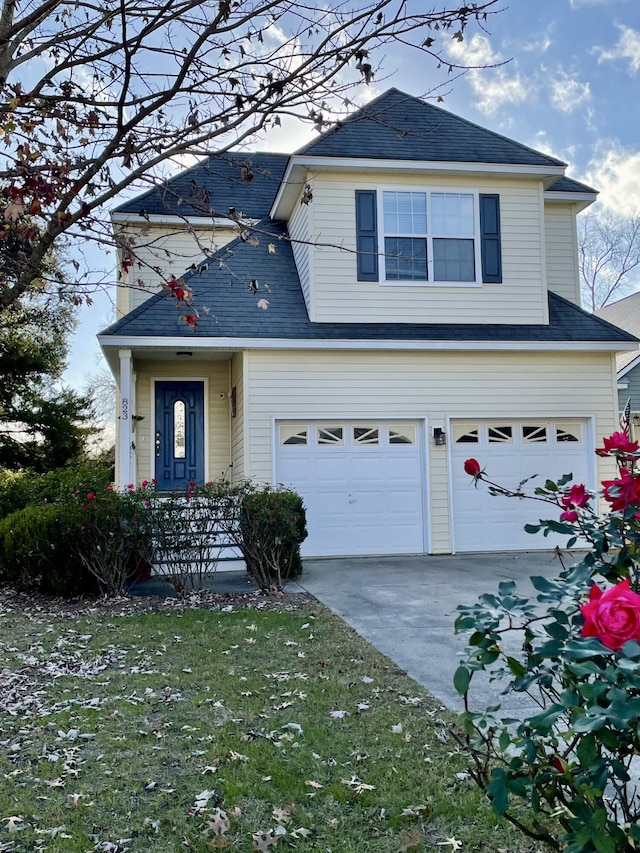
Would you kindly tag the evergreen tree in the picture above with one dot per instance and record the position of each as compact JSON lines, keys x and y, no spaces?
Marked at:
{"x":43,"y":425}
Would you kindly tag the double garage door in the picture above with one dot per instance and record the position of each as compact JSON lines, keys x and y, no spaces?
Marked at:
{"x":363,"y":482}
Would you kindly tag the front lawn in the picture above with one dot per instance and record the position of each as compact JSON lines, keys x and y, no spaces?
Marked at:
{"x":222,"y":728}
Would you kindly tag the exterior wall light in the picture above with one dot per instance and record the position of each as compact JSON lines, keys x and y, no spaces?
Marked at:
{"x":439,"y":437}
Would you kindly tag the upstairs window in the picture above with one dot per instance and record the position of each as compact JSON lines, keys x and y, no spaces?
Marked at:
{"x":419,"y":236}
{"x":405,"y":235}
{"x":429,"y":236}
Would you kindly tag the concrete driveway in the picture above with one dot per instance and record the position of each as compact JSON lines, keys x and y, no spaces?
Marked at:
{"x":406,"y":606}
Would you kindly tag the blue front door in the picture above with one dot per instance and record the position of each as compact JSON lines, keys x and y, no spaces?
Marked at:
{"x":179,"y":434}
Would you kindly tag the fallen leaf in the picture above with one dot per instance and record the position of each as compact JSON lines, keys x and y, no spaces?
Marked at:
{"x":218,"y":823}
{"x":410,"y":841}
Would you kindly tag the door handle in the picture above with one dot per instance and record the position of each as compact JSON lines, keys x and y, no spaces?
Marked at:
{"x":157,"y":444}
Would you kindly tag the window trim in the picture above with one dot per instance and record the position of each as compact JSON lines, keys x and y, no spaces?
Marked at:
{"x":429,"y":281}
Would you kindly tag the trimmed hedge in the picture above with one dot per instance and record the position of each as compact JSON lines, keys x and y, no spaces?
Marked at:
{"x":38,"y":551}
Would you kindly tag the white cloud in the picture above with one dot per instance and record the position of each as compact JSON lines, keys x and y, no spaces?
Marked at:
{"x":537,"y":45}
{"x":627,"y":48}
{"x":567,"y":93}
{"x":615,"y":171}
{"x":493,"y":86}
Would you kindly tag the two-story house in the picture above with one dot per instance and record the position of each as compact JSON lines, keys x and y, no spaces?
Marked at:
{"x":421,"y":277}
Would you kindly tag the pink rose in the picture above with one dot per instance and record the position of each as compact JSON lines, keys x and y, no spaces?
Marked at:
{"x":613,"y":616}
{"x":90,"y":496}
{"x":144,"y":484}
{"x":109,"y":488}
{"x":618,"y":441}
{"x":472,"y":467}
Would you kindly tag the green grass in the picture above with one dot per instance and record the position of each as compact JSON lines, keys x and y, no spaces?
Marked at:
{"x":127,"y":732}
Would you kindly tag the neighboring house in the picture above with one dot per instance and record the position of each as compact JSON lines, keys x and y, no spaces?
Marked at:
{"x":422,"y":280}
{"x":625,"y":313}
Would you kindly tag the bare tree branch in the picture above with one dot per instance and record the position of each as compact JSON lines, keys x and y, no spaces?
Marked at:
{"x":609,"y":257}
{"x":96,"y":97}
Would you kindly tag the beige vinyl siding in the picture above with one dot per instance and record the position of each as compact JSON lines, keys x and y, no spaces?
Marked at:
{"x":315,"y":386}
{"x":562,"y":251}
{"x":238,"y":423}
{"x":163,"y":251}
{"x":301,"y":230}
{"x":338,"y":296}
{"x":218,"y":439}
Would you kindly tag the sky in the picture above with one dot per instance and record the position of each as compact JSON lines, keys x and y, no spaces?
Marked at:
{"x":566,"y":81}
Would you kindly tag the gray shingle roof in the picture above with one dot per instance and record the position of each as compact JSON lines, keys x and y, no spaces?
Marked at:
{"x":220,"y":175}
{"x":568,"y":185}
{"x":397,"y":126}
{"x":234,"y":313}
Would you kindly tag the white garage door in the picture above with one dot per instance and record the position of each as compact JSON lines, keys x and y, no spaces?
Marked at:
{"x":361,"y":481}
{"x":510,"y":451}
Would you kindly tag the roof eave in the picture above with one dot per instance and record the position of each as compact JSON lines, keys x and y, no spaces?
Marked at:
{"x":203,"y":344}
{"x":580,"y":200}
{"x":298,"y":165}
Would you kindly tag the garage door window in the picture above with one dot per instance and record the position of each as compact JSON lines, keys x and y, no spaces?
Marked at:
{"x":366,"y":435}
{"x":401,"y":434}
{"x":293,"y":434}
{"x":330,"y":435}
{"x":465,"y":434}
{"x":532,"y":434}
{"x":500,"y":434}
{"x":568,"y":432}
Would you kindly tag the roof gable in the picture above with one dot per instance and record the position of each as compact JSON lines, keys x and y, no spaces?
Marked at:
{"x":397,"y":126}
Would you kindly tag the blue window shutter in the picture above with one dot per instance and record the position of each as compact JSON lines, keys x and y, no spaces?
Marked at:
{"x":367,"y":235}
{"x":490,"y":245}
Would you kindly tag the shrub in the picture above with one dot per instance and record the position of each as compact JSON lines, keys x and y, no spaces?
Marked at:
{"x":38,"y":553}
{"x":15,"y":492}
{"x":191,"y":529}
{"x":575,"y":652}
{"x":23,"y":488}
{"x":272,"y":524}
{"x":91,"y":541}
{"x":116,"y":542}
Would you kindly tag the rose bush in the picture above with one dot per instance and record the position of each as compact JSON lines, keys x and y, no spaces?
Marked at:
{"x":573,"y":652}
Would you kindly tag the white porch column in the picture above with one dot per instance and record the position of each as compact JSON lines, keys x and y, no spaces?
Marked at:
{"x":126,"y":470}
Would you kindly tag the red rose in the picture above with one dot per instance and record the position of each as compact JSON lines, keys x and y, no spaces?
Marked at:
{"x":613,"y":616}
{"x":569,"y":515}
{"x":623,"y":492}
{"x":619,"y":441}
{"x":472,"y":467}
{"x":90,"y":496}
{"x":144,"y":484}
{"x":577,"y":496}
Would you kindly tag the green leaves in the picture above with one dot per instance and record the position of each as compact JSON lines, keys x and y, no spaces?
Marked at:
{"x":461,"y":680}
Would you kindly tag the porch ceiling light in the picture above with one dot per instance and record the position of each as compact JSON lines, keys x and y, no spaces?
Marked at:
{"x":184,"y":354}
